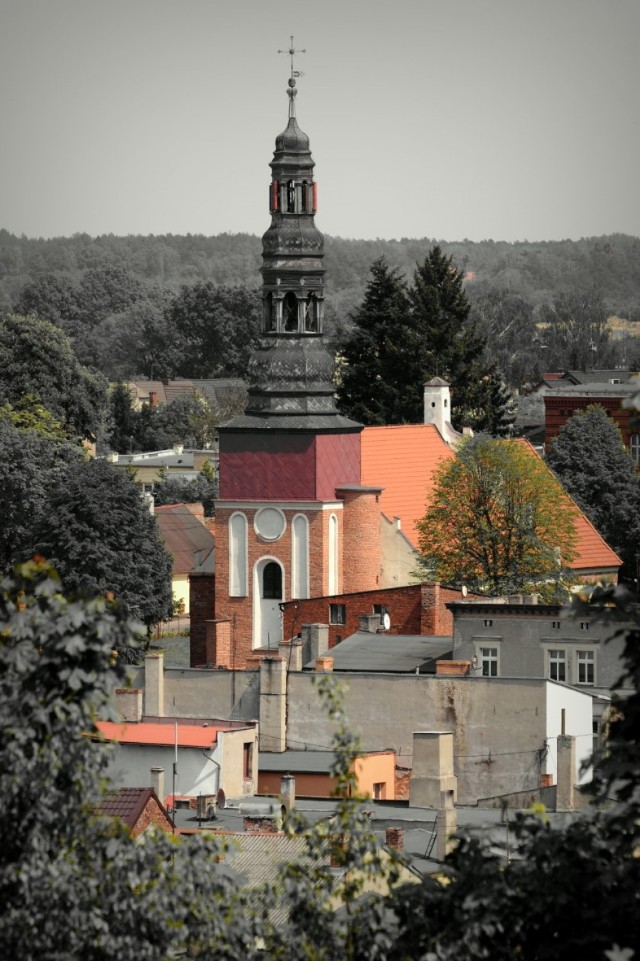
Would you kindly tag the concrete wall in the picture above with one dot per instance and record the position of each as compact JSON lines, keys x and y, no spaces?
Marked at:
{"x":231,"y":757}
{"x":578,"y":723}
{"x":200,"y":693}
{"x":499,"y":725}
{"x":130,"y":766}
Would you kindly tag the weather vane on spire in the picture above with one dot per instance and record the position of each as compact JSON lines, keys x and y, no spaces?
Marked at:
{"x":292,"y":92}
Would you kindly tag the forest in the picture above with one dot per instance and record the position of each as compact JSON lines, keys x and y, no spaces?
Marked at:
{"x":188,"y":306}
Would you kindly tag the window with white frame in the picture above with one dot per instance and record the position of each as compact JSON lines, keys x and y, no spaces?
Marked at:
{"x":634,"y":447}
{"x":333,"y":554}
{"x":489,"y":661}
{"x":585,"y":667}
{"x":300,"y":556}
{"x":237,"y":555}
{"x":557,"y":664}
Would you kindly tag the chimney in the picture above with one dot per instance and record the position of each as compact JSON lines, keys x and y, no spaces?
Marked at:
{"x":446,"y":824}
{"x":157,"y":782}
{"x":369,"y":623}
{"x":129,"y":703}
{"x":273,"y":704}
{"x":288,"y":791}
{"x":153,"y":398}
{"x":565,"y":797}
{"x":315,"y":641}
{"x":433,"y":770}
{"x":394,"y":838}
{"x":324,"y":665}
{"x":154,"y":685}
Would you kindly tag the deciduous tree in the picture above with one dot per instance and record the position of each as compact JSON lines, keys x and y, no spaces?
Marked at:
{"x":98,"y":533}
{"x":497,"y":519}
{"x":590,"y":458}
{"x":31,"y":464}
{"x":37,"y":358}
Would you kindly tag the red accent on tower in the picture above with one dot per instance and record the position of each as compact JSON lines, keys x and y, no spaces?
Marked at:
{"x":274,"y":195}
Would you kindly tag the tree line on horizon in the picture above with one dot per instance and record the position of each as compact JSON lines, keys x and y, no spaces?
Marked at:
{"x":166,"y":307}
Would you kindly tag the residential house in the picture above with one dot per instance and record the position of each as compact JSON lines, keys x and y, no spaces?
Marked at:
{"x":191,"y":544}
{"x":139,"y":808}
{"x":560,"y":404}
{"x":519,"y":637}
{"x":374,"y":773}
{"x":150,"y":467}
{"x":208,"y":754}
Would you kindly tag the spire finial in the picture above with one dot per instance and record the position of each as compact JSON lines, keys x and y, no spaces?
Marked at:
{"x":292,"y":92}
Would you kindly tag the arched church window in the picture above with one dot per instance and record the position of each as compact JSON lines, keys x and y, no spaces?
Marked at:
{"x":300,"y":556}
{"x":291,"y":197}
{"x":238,"y":555}
{"x":311,"y":314}
{"x":272,"y":581}
{"x":333,"y":554}
{"x":270,"y":312}
{"x":290,"y":312}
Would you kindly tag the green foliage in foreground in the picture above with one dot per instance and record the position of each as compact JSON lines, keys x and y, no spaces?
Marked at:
{"x":74,"y":886}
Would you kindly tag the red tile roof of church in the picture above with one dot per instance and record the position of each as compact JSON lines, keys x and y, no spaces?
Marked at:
{"x":402,"y":459}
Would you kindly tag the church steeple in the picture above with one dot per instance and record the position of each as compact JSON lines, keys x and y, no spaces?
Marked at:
{"x":290,"y":372}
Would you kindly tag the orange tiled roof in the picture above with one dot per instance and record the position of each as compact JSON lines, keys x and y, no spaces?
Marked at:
{"x":592,"y":551}
{"x":402,"y":460}
{"x":160,"y":735}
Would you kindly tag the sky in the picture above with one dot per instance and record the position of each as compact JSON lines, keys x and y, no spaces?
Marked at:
{"x":448,"y":119}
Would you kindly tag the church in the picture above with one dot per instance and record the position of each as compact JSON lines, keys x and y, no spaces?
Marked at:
{"x":312,"y":505}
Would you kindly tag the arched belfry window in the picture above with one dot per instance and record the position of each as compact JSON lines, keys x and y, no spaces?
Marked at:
{"x":291,"y":197}
{"x":311,"y":314}
{"x":270,"y":313}
{"x":272,"y":581}
{"x":290,"y":312}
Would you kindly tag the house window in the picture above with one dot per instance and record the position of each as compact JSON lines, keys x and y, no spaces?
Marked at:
{"x":555,"y":625}
{"x":380,"y":609}
{"x":488,"y":623}
{"x":584,"y":625}
{"x":557,"y":665}
{"x":247,"y":759}
{"x":379,"y":792}
{"x":586,"y":664}
{"x":634,"y":447}
{"x":489,"y":661}
{"x":337,"y":614}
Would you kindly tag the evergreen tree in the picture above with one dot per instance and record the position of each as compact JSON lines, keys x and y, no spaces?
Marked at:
{"x":182,"y":490}
{"x":589,"y":457}
{"x":497,"y":408}
{"x":98,"y":533}
{"x":402,"y":338}
{"x":372,"y":385}
{"x":446,"y":342}
{"x":123,"y":420}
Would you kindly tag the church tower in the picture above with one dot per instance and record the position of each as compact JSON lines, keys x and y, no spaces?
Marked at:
{"x":290,"y":465}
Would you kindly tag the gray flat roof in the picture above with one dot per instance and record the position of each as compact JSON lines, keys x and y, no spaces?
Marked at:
{"x":389,"y":653}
